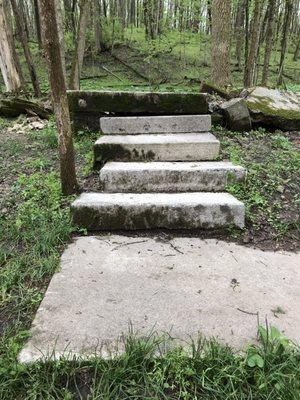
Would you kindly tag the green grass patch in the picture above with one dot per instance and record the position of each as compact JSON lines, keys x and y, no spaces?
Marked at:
{"x":271,"y":190}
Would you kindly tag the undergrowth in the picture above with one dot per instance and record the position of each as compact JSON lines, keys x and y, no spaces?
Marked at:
{"x":35,"y":227}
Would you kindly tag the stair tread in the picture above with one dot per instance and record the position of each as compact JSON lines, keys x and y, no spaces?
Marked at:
{"x":155,"y":124}
{"x":167,"y":138}
{"x":170,"y":166}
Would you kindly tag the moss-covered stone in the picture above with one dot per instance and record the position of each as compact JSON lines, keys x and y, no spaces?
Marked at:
{"x":137,"y":103}
{"x":272,"y":108}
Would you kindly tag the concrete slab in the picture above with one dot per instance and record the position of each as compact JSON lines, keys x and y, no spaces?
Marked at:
{"x":184,"y":286}
{"x":130,"y":211}
{"x":169,"y":176}
{"x":156,"y":124}
{"x":161,"y":147}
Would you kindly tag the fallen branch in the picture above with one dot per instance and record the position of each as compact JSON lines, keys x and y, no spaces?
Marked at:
{"x":14,"y":106}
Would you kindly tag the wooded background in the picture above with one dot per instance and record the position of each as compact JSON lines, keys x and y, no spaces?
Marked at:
{"x":251,"y":39}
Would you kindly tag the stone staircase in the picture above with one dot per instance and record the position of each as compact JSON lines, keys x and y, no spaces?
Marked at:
{"x":160,"y":172}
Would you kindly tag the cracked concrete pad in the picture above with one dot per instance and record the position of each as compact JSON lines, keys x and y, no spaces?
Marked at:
{"x":183,"y":285}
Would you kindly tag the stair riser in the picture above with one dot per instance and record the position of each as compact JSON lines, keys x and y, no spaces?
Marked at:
{"x":156,"y":152}
{"x":145,"y":125}
{"x":113,"y":212}
{"x":168,"y":181}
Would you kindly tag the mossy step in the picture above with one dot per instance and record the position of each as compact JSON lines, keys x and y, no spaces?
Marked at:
{"x":156,"y":124}
{"x":143,"y":177}
{"x":160,"y":147}
{"x":131,"y":211}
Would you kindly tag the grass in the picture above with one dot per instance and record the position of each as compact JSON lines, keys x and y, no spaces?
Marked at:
{"x":35,"y":226}
{"x":271,"y":191}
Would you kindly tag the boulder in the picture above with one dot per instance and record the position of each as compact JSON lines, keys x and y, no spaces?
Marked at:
{"x":273,"y":108}
{"x":237,"y":115}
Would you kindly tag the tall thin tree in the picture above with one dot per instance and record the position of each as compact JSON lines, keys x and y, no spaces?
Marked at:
{"x":59,"y":96}
{"x":221,"y":32}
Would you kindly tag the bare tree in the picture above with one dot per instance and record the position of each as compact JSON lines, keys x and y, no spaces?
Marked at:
{"x":23,"y":38}
{"x":59,"y":96}
{"x":79,"y":46}
{"x":11,"y":77}
{"x":254,"y":42}
{"x":285,"y":34}
{"x":272,"y":7}
{"x":221,"y":31}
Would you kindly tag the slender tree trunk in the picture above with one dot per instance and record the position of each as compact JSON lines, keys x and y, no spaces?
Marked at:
{"x":60,"y":27}
{"x":23,"y":38}
{"x":80,"y":45}
{"x":269,"y":40}
{"x":285,"y":35}
{"x":97,"y":26}
{"x":8,"y":67}
{"x":59,"y":96}
{"x":297,"y":50}
{"x":37,"y":23}
{"x":255,"y":34}
{"x":221,"y":31}
{"x":239,"y":31}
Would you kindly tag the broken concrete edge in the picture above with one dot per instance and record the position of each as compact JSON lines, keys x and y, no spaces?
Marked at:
{"x":165,"y":343}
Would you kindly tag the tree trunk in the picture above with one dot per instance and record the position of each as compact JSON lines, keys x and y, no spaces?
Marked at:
{"x":8,"y":67}
{"x":23,"y":38}
{"x":97,"y":26}
{"x":59,"y":96}
{"x":221,"y":31}
{"x":297,"y":50}
{"x":255,"y":34}
{"x":272,"y":8}
{"x":37,"y":23}
{"x":284,"y":40}
{"x":60,"y":27}
{"x":80,"y":45}
{"x":239,"y":31}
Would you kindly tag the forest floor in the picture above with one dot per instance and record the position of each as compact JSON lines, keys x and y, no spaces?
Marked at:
{"x":35,"y":227}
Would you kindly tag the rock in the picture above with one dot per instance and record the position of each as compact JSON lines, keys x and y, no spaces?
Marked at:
{"x":273,"y":108}
{"x":237,"y":115}
{"x":209,"y":88}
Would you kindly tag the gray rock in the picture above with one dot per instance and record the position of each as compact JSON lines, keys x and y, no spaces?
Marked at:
{"x":274,"y":108}
{"x":237,"y":115}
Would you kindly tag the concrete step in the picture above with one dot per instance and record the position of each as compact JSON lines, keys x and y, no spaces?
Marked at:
{"x":169,"y":176}
{"x":130,"y":211}
{"x":162,"y":147}
{"x":156,"y":124}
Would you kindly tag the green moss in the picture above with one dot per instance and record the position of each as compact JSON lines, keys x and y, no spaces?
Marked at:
{"x":264,"y":105}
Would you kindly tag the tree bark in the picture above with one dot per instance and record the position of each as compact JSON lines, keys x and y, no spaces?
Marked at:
{"x":297,"y":50}
{"x":59,"y":19}
{"x":59,"y":96}
{"x":239,"y":31}
{"x":221,"y":31}
{"x":255,"y":34}
{"x":285,"y":35}
{"x":23,"y":38}
{"x":97,"y":26}
{"x":80,"y":45}
{"x":272,"y":8}
{"x":37,"y":23}
{"x":8,"y":67}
